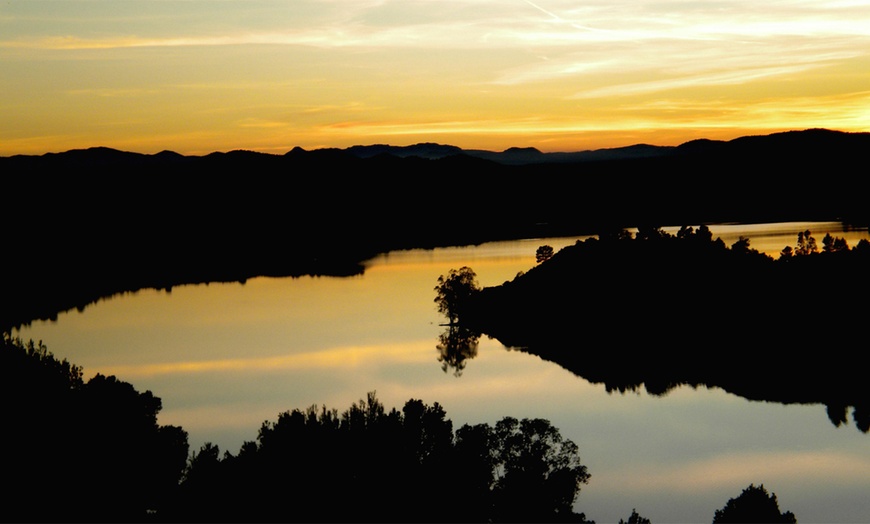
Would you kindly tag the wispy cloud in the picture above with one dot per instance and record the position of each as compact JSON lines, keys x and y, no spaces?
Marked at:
{"x":447,"y":67}
{"x":713,"y":78}
{"x":107,"y":92}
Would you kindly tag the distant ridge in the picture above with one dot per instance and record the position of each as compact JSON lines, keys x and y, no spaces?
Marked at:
{"x":424,"y":150}
{"x":815,"y":139}
{"x":510,"y":156}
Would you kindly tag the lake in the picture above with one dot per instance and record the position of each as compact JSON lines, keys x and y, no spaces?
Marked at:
{"x":224,"y":358}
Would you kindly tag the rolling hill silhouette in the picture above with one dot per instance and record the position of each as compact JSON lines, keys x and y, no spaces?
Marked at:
{"x":89,"y":223}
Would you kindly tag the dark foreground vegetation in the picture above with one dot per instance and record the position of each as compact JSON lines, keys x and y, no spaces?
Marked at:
{"x":661,"y":310}
{"x":86,"y":224}
{"x":92,"y":451}
{"x":77,"y":450}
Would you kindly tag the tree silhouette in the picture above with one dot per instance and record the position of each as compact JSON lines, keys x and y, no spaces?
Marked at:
{"x":754,"y":505}
{"x":474,"y":464}
{"x":543,"y":253}
{"x":613,"y":233}
{"x":540,"y":473}
{"x":742,"y":245}
{"x":386,"y":466}
{"x":635,"y":518}
{"x":684,"y":233}
{"x":832,"y":244}
{"x":454,"y":290}
{"x":132,"y":462}
{"x":806,"y":244}
{"x":651,"y":232}
{"x":84,"y":451}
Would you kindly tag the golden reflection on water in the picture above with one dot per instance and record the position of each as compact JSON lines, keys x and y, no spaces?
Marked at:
{"x":226,"y":357}
{"x":337,"y":359}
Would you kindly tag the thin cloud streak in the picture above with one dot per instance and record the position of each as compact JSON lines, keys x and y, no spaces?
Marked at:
{"x":712,"y":79}
{"x":336,"y":71}
{"x":513,"y":27}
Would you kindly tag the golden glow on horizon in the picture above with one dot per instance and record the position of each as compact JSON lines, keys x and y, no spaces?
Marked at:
{"x":201,"y":76}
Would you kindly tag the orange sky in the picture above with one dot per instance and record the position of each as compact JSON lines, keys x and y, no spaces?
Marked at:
{"x":197,"y":76}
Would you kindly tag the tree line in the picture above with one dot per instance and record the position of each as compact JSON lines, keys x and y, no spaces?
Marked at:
{"x":371,"y":464}
{"x":683,"y":249}
{"x":92,"y":451}
{"x":654,"y":276}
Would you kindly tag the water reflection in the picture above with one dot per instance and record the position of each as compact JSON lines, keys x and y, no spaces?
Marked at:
{"x":779,"y":381}
{"x":456,"y":345}
{"x":642,"y":305}
{"x":226,"y":357}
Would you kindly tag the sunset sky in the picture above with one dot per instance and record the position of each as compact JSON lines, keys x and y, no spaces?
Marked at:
{"x":196,"y":76}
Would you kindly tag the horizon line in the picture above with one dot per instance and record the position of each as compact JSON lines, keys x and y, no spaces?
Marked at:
{"x":266,"y":151}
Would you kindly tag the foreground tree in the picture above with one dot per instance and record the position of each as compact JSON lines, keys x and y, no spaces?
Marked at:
{"x":754,"y":505}
{"x":387,"y":466}
{"x":453,"y":290}
{"x":81,"y":451}
{"x":540,"y":473}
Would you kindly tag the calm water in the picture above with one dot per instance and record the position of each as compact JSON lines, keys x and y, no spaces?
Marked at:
{"x":224,"y":358}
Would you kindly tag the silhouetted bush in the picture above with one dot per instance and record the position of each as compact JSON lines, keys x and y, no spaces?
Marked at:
{"x":753,"y":506}
{"x":81,"y":451}
{"x":635,"y":518}
{"x":369,"y":464}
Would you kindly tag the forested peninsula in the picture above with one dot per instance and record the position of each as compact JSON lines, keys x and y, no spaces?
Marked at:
{"x":86,"y":224}
{"x":657,"y":310}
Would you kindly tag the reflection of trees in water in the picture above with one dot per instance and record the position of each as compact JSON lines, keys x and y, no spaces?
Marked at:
{"x":666,"y":310}
{"x":456,"y":345}
{"x":380,"y":465}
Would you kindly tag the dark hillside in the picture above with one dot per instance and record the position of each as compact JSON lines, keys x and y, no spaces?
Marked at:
{"x":85,"y":224}
{"x":661,"y":311}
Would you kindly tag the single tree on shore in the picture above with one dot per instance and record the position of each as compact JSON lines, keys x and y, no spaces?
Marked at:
{"x":453,"y":290}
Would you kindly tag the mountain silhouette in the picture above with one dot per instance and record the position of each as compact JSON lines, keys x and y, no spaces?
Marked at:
{"x":817,"y":144}
{"x":88,"y":223}
{"x":812,"y":142}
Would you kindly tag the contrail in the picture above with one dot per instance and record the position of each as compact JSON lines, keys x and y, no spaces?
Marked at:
{"x":634,"y":34}
{"x":560,"y":19}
